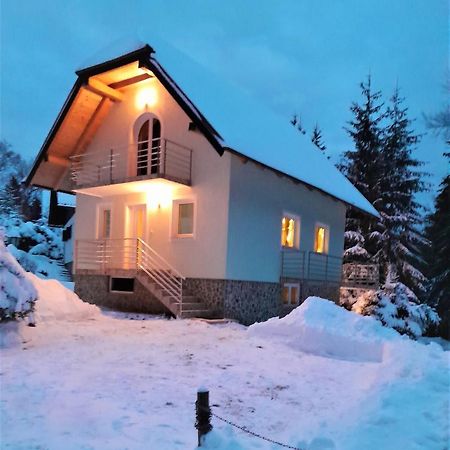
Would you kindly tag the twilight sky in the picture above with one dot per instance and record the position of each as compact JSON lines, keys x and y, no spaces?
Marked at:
{"x":296,"y":55}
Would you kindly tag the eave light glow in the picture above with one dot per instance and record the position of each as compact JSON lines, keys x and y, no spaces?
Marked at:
{"x":146,"y":98}
{"x":159,"y":196}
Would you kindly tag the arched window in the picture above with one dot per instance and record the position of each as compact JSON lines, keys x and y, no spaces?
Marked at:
{"x":149,"y":148}
{"x":156,"y":146}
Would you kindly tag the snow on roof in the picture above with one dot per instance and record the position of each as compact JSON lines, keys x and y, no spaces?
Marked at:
{"x":119,"y":47}
{"x":245,"y":124}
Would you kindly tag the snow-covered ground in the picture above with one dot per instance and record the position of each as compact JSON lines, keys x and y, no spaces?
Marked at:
{"x":322,"y":378}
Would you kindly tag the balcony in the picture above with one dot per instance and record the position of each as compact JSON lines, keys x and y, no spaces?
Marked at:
{"x":163,"y":158}
{"x":310,"y":266}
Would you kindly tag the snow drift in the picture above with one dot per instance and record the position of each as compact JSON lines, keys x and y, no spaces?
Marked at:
{"x":57,"y":303}
{"x":321,"y":327}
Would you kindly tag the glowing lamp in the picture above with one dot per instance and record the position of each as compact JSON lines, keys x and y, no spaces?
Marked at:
{"x":146,"y":98}
{"x":158,"y":196}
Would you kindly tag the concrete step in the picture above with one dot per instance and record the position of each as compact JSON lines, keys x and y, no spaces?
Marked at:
{"x":188,"y":306}
{"x":200,"y":313}
{"x":191,"y":299}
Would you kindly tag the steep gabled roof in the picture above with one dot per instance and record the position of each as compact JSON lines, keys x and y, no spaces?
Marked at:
{"x":228,"y":117}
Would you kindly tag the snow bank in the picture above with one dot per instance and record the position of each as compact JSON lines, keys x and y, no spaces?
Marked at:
{"x":17,"y":293}
{"x":230,"y":439}
{"x":57,"y":303}
{"x":321,"y":327}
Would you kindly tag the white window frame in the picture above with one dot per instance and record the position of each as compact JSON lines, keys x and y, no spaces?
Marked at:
{"x":289,"y":285}
{"x":99,"y":220}
{"x":327,"y":238}
{"x":175,"y":215}
{"x":297,"y":231}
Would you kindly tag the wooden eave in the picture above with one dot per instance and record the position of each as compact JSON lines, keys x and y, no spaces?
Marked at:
{"x":47,"y":170}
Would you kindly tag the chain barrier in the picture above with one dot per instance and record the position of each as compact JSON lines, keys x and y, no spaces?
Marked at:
{"x":252,"y":433}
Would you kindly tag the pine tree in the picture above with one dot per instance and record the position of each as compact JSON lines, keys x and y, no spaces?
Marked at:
{"x":11,"y":198}
{"x":363,"y":166}
{"x":398,"y":239}
{"x":317,"y":140}
{"x":16,"y":199}
{"x":438,"y":257}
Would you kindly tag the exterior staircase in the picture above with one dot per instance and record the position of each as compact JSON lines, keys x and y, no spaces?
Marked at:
{"x":189,"y":306}
{"x":135,"y":256}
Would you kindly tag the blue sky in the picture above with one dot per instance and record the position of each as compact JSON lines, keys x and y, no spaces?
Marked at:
{"x":296,"y":55}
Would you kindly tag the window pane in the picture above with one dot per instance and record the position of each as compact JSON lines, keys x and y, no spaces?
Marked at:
{"x":106,"y":224}
{"x":288,"y":232}
{"x":285,"y":295}
{"x":320,"y":240}
{"x":294,"y":295}
{"x":186,"y":218}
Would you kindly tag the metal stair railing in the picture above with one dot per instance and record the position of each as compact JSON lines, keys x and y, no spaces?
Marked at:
{"x":103,"y":255}
{"x":160,"y":271}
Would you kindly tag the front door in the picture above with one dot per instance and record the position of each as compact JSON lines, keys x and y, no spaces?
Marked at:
{"x":136,"y":231}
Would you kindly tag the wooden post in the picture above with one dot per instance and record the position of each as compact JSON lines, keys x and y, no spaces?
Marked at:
{"x":203,"y":415}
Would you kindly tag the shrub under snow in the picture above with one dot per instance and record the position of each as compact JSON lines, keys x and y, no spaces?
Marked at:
{"x":36,"y":237}
{"x":397,"y":307}
{"x":17,"y":293}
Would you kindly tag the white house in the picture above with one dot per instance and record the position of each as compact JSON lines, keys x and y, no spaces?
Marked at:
{"x":190,"y":196}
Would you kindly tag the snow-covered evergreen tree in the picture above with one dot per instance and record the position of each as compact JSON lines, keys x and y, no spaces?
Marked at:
{"x":397,"y":307}
{"x":363,"y":166}
{"x":397,"y":237}
{"x":10,"y":197}
{"x":16,"y":200}
{"x":438,"y":255}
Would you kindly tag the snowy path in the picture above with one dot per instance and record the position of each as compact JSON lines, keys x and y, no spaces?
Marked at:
{"x":108,"y":382}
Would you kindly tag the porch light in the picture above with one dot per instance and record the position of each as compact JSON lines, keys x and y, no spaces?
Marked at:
{"x":158,"y":196}
{"x":146,"y":98}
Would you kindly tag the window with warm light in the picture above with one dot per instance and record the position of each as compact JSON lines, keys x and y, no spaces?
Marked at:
{"x":105,"y":224}
{"x":290,"y":293}
{"x":148,"y":147}
{"x":321,"y":239}
{"x":184,"y":219}
{"x":290,"y":231}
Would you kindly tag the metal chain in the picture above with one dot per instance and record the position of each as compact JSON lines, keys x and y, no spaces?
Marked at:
{"x":252,"y":433}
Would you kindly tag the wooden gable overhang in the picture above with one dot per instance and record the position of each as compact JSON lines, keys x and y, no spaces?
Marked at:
{"x":89,"y":101}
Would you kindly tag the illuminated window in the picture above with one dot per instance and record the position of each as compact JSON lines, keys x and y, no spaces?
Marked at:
{"x":290,"y":293}
{"x":149,"y":147}
{"x":185,"y":219}
{"x":290,"y":231}
{"x":105,"y":224}
{"x":321,"y":239}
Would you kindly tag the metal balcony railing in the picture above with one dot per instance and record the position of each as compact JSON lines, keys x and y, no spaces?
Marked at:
{"x":312,"y":266}
{"x":360,"y":275}
{"x":158,"y":158}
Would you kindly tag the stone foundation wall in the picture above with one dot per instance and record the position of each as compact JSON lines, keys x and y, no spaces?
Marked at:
{"x":210,"y":291}
{"x":245,"y":301}
{"x":95,"y":289}
{"x":326,"y":290}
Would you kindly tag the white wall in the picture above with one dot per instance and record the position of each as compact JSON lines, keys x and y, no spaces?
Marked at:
{"x":204,"y":255}
{"x":238,"y":206}
{"x":258,"y":199}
